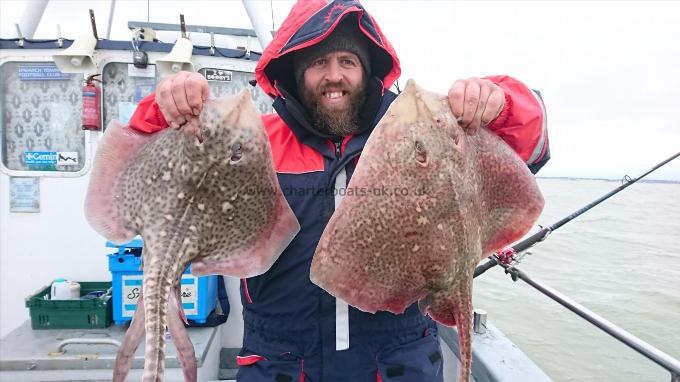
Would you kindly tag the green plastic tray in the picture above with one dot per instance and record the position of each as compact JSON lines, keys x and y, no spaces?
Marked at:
{"x":71,"y":314}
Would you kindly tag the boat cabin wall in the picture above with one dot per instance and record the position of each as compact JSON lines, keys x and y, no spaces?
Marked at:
{"x":43,"y":232}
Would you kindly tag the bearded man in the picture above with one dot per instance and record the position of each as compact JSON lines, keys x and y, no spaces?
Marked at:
{"x":328,"y":70}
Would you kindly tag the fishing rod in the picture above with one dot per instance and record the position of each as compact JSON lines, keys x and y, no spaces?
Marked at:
{"x":506,"y":255}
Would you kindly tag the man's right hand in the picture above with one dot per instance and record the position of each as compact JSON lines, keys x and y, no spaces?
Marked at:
{"x":180,"y":98}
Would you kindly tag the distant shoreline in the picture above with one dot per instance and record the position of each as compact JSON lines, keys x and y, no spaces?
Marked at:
{"x":611,"y":180}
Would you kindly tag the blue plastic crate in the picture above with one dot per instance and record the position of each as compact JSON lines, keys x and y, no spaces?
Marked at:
{"x":199,"y":294}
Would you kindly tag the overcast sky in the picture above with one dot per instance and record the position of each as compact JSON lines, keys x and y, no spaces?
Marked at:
{"x":609,"y":71}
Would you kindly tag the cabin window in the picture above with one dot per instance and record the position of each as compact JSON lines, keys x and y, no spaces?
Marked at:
{"x":40,"y":118}
{"x":223,"y":82}
{"x":123,"y":86}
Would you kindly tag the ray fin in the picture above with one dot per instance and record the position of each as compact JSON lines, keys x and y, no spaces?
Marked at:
{"x":131,"y":341}
{"x":454,"y":308}
{"x":117,"y":149}
{"x":511,"y":198}
{"x":185,"y":349}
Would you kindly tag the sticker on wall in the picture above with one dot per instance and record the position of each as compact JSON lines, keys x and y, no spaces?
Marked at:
{"x":67,"y":158}
{"x":149,"y":71}
{"x":24,"y":194}
{"x":50,"y":160}
{"x":41,"y":72}
{"x":40,"y":160}
{"x":219,"y":75}
{"x":144,"y":87}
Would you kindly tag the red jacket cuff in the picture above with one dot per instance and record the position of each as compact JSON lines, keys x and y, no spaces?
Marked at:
{"x":147,"y":117}
{"x":521,"y":123}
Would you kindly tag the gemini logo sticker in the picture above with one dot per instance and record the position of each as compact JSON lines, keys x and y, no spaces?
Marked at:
{"x":50,"y":160}
{"x":218,"y":75}
{"x":67,"y":158}
{"x":40,"y":158}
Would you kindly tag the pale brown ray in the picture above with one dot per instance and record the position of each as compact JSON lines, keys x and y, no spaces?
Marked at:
{"x":215,"y":203}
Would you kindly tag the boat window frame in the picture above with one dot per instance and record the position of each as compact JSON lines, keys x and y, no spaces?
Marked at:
{"x":88,"y":149}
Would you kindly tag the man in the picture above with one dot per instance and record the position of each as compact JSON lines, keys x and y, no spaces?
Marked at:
{"x":328,"y":70}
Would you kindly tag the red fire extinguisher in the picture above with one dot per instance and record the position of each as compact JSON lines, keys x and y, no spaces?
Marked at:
{"x":91,"y":111}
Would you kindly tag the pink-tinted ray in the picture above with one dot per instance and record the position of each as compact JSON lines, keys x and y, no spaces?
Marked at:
{"x":131,"y":341}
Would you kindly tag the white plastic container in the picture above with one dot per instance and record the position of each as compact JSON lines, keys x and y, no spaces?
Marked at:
{"x":63,"y":289}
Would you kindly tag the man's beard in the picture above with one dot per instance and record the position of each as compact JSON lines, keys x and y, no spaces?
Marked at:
{"x":335,"y":122}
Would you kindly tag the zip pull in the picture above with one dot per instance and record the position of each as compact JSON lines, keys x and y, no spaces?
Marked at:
{"x":338,"y":146}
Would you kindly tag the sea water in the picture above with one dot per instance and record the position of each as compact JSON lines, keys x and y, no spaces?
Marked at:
{"x":621,"y":260}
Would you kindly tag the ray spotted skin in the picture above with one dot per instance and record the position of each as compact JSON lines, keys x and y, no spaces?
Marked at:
{"x":426,"y":203}
{"x":209,"y":196}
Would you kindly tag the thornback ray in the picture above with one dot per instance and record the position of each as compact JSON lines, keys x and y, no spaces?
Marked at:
{"x":209,"y":197}
{"x":437,"y":200}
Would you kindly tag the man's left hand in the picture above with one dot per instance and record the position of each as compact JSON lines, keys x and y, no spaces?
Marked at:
{"x":475,"y":102}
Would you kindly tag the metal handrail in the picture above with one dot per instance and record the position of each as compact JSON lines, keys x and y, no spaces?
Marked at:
{"x":664,"y":360}
{"x":193,"y":28}
{"x":87,"y":341}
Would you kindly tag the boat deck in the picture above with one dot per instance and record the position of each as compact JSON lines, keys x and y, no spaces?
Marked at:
{"x":32,"y":355}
